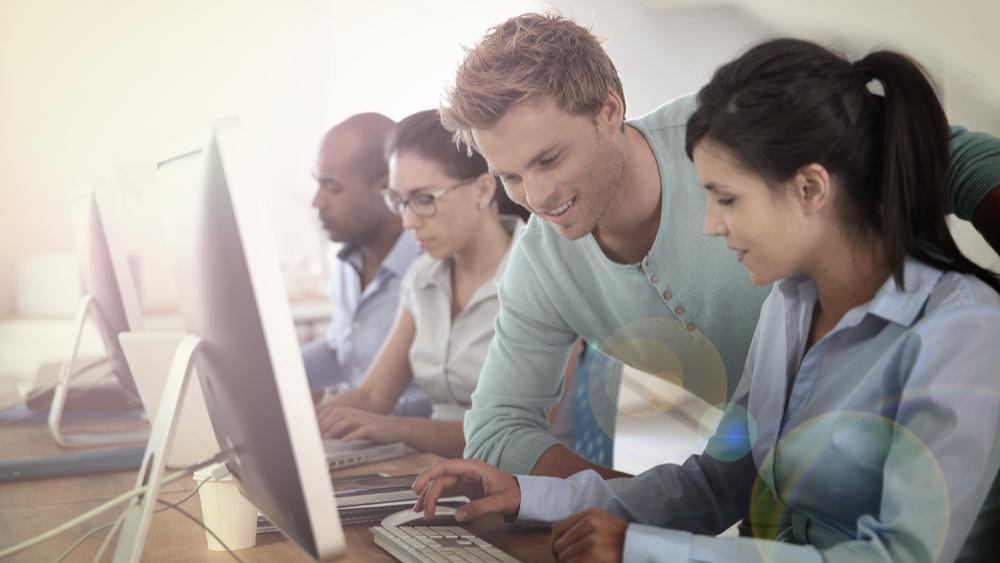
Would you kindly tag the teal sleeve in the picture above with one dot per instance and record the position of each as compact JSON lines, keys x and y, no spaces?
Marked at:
{"x":974,"y":171}
{"x":521,"y":379}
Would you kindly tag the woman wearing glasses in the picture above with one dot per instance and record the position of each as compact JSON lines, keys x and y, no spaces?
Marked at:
{"x":448,"y":300}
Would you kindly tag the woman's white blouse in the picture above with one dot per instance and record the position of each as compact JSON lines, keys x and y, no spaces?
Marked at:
{"x":446,"y":356}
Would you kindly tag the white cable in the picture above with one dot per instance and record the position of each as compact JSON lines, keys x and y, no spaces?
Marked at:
{"x":117,"y":523}
{"x":111,"y":533}
{"x":82,"y":539}
{"x":67,"y":525}
{"x":124,"y":497}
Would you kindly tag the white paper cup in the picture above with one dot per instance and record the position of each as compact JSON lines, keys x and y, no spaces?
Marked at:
{"x":226,"y":512}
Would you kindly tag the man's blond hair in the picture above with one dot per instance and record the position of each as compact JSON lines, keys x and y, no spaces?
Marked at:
{"x":526,"y":57}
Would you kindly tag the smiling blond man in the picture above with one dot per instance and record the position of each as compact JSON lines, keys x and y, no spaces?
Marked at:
{"x":615,"y":253}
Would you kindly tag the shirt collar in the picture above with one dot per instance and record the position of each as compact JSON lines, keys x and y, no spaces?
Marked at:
{"x":440,"y":272}
{"x":892,"y":304}
{"x":402,"y":253}
{"x":903,"y":307}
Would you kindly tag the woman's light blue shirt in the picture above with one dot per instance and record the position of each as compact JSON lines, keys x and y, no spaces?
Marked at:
{"x":884,"y":450}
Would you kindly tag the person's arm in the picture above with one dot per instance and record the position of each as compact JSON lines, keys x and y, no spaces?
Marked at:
{"x":386,"y":379}
{"x":974,"y":182}
{"x":560,"y":461}
{"x":442,"y":437}
{"x":707,"y":494}
{"x":521,"y":378}
{"x":986,"y":219}
{"x":569,"y":375}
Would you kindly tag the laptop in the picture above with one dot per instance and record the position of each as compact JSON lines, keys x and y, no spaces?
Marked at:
{"x":149,"y":356}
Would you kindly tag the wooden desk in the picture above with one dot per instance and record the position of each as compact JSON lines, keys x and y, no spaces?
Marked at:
{"x":32,"y":507}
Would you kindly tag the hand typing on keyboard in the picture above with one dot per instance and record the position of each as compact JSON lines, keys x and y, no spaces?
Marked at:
{"x":491,"y":490}
{"x":591,"y":535}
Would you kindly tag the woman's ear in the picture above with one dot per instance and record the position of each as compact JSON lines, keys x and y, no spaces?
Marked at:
{"x":486,"y":188}
{"x":812,"y":188}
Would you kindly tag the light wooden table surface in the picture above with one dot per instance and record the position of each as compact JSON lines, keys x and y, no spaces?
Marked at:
{"x":29,"y":508}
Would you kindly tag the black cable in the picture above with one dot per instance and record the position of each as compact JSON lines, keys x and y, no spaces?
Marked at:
{"x":180,"y":502}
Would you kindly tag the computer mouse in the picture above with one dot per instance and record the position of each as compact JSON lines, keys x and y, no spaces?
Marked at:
{"x":443,"y":516}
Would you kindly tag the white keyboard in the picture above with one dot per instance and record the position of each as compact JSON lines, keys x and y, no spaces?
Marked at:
{"x":437,"y":544}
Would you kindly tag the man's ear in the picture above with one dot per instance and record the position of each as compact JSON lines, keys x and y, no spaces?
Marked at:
{"x":486,"y":189}
{"x":813,"y":189}
{"x":381,"y":183}
{"x":611,"y":117}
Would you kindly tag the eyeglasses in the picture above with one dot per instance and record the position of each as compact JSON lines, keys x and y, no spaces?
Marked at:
{"x":423,"y":204}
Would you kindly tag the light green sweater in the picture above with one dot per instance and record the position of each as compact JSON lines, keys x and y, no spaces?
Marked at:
{"x":686,"y":313}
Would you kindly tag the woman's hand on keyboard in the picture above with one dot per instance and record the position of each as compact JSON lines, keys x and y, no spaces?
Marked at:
{"x":491,"y":490}
{"x":354,"y":424}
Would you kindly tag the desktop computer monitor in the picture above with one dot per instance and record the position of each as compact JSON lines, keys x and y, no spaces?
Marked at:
{"x":232,"y":297}
{"x":114,"y":304}
{"x":107,"y":277}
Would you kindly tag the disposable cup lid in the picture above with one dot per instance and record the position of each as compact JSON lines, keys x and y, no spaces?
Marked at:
{"x":217,"y":472}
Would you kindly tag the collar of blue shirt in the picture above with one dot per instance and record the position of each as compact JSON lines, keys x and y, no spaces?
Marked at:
{"x":405,"y":249}
{"x":891,"y":303}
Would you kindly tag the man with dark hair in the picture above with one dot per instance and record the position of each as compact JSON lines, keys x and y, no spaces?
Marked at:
{"x":351,"y":171}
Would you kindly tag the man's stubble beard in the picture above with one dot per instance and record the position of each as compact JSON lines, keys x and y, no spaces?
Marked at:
{"x":606,"y":189}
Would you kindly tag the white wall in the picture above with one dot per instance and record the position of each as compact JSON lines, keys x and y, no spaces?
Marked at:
{"x":662,"y":54}
{"x":397,"y":56}
{"x":92,"y":90}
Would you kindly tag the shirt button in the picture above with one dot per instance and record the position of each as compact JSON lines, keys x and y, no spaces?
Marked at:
{"x":667,"y":295}
{"x":679,"y":310}
{"x":655,"y":279}
{"x":691,"y":327}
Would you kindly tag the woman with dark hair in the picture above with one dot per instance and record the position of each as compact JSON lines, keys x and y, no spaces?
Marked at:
{"x":865,"y":425}
{"x":466,"y":227}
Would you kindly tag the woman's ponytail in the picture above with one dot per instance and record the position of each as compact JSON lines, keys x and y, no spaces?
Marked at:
{"x":915,"y":159}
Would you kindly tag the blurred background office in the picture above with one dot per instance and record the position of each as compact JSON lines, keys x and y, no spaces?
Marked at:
{"x":92,"y":93}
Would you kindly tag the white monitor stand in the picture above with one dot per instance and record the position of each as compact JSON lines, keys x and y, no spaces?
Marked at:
{"x":149,"y":355}
{"x":139,"y":511}
{"x":83,"y":440}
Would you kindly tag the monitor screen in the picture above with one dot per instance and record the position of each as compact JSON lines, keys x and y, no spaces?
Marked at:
{"x":232,"y":296}
{"x":107,"y":277}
